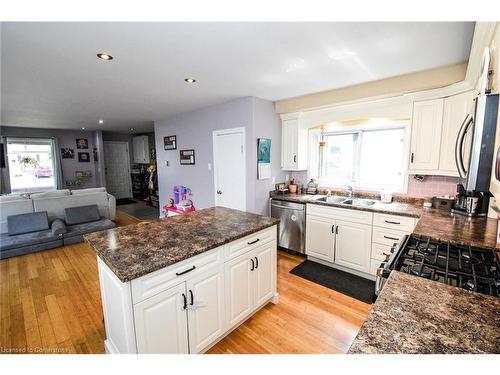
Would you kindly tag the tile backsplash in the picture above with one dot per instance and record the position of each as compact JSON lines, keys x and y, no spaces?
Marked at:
{"x":429,"y":187}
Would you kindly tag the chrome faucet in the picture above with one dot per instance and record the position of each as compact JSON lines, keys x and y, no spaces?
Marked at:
{"x":349,"y":191}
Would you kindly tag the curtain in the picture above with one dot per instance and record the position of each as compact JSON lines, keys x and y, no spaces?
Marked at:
{"x":4,"y":172}
{"x":58,"y":174}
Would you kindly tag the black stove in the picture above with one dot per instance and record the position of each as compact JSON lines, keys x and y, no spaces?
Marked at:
{"x":466,"y":267}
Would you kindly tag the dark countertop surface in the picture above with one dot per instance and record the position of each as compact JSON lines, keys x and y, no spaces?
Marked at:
{"x":138,"y":249}
{"x":416,"y":315}
{"x":437,"y":224}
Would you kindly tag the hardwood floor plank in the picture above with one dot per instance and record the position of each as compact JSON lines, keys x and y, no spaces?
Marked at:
{"x":51,"y":300}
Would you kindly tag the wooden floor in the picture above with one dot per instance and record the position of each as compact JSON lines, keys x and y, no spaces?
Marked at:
{"x":50,"y":303}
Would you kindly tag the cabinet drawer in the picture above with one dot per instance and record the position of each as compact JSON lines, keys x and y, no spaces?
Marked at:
{"x":248,"y":243}
{"x":374,"y":266}
{"x":149,"y":285}
{"x":402,"y":223}
{"x":346,"y":214}
{"x":388,"y":237}
{"x":378,"y":251}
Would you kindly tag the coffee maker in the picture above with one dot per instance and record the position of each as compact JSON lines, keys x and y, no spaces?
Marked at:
{"x":473,"y":190}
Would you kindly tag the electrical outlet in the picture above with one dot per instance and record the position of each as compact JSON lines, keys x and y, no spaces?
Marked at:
{"x":287,"y":178}
{"x":209,"y":166}
{"x":273,"y":181}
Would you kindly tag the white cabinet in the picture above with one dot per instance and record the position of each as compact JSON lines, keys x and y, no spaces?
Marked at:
{"x":189,"y":306}
{"x":161,"y":322}
{"x":426,"y":135}
{"x":205,"y":295}
{"x":250,"y":282}
{"x":455,"y":109}
{"x":435,"y":126}
{"x":293,"y":143}
{"x":353,"y":245}
{"x":320,"y":240}
{"x":140,"y":147}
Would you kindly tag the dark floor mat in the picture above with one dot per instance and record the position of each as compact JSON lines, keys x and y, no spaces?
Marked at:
{"x":343,"y":282}
{"x":122,"y":201}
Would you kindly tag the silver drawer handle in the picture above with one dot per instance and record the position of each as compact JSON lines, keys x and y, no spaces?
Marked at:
{"x":392,"y":222}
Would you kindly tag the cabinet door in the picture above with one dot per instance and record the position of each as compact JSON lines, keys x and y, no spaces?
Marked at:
{"x":320,"y":237}
{"x":289,"y":144}
{"x":353,"y":245}
{"x":426,"y":135}
{"x":238,"y":279}
{"x":205,"y":308}
{"x":161,"y":323}
{"x":263,"y":273}
{"x":455,"y":109}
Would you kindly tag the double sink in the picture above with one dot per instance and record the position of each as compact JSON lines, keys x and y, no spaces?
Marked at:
{"x":346,"y":200}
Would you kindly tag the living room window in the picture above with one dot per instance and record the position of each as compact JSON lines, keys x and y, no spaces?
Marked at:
{"x":364,"y":156}
{"x":31,"y":164}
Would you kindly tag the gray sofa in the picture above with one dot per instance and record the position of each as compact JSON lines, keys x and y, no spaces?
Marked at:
{"x":20,"y":212}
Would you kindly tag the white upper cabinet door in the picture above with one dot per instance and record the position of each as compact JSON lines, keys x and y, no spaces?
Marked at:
{"x":238,"y":279}
{"x":264,"y":280}
{"x":289,"y":147}
{"x":320,"y":237}
{"x":353,"y":245}
{"x":455,"y":109}
{"x":161,"y":323}
{"x":426,"y":135}
{"x":205,"y":295}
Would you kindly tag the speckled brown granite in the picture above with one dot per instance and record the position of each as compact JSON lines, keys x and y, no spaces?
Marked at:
{"x":136,"y":250}
{"x":415,"y":315}
{"x":480,"y":232}
{"x":394,"y":208}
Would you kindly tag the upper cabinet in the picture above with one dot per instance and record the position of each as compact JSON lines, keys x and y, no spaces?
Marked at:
{"x":293,"y":144}
{"x":435,"y":126}
{"x":140,"y":146}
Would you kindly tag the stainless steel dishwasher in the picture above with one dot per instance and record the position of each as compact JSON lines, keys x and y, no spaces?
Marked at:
{"x":292,"y":228}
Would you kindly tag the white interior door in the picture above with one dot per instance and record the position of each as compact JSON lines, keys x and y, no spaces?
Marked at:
{"x":229,"y":168}
{"x":117,"y":167}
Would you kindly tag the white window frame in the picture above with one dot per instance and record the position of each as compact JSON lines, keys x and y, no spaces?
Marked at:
{"x":364,"y":127}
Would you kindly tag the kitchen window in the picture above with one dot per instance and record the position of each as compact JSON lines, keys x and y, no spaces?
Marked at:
{"x":367,"y":157}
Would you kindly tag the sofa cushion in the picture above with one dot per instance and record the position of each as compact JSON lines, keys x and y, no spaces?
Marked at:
{"x":9,"y":208}
{"x":81,"y":214}
{"x":50,"y":194}
{"x":27,"y":223}
{"x":58,"y":227}
{"x":95,"y":226}
{"x":88,"y":191}
{"x":22,"y":240}
{"x":55,"y":206}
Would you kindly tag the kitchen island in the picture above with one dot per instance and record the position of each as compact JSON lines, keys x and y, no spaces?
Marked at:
{"x":179,"y":285}
{"x":414,"y":315}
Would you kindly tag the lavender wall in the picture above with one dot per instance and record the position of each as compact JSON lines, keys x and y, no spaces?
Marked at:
{"x":194,"y":131}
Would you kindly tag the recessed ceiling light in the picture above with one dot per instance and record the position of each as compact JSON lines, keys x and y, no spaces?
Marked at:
{"x":83,"y":128}
{"x":101,"y":121}
{"x":105,"y":56}
{"x":132,"y":129}
{"x":189,"y":80}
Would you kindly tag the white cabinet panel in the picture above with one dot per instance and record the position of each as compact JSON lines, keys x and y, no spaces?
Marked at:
{"x":353,"y":245}
{"x":293,"y":144}
{"x":239,"y":289}
{"x":455,"y":109}
{"x":205,"y":309}
{"x":161,"y":323}
{"x":264,"y":278}
{"x":320,"y":237}
{"x":426,"y":135}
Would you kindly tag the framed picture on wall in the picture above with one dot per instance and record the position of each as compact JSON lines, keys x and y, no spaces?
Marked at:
{"x":84,"y":157}
{"x":67,"y":153}
{"x":170,"y":142}
{"x":187,"y":157}
{"x":82,"y":143}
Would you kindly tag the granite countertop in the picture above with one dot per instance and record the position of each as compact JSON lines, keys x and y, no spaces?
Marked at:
{"x":395,"y":208}
{"x":136,"y":250}
{"x":414,"y":315}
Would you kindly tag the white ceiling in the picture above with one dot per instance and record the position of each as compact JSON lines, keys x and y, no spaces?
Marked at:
{"x":51,"y":76}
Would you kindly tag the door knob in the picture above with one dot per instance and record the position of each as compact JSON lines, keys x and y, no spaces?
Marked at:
{"x":219,"y":192}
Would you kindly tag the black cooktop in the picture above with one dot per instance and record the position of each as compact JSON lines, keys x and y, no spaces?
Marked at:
{"x":466,"y":267}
